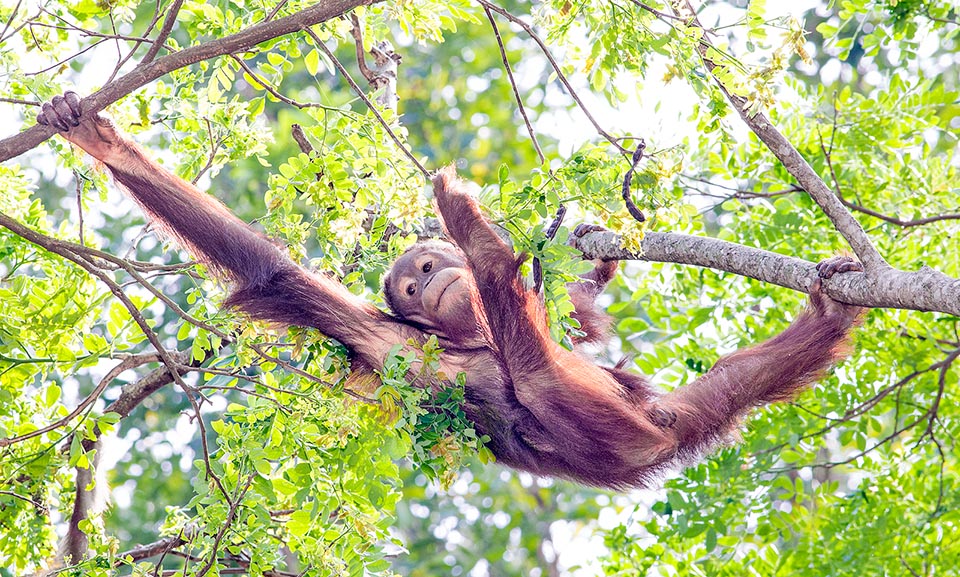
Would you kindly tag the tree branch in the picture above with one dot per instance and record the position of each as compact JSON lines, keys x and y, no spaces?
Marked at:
{"x":382,"y":75}
{"x":373,"y":109}
{"x":165,"y":31}
{"x":923,"y":290}
{"x":148,"y":72}
{"x":132,"y":394}
{"x":141,"y":552}
{"x":558,"y":70}
{"x":513,"y":84}
{"x":58,"y":247}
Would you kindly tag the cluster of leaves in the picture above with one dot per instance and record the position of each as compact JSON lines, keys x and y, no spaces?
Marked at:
{"x":429,"y":419}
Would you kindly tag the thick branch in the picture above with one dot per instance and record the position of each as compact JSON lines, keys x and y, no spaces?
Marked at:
{"x":923,"y":290}
{"x":811,"y":182}
{"x":148,"y":72}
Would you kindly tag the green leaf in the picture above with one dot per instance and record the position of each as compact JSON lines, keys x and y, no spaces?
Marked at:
{"x":299,"y":523}
{"x":312,"y":62}
{"x":51,"y":395}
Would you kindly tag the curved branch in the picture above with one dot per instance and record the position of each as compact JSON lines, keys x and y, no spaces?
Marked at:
{"x":134,"y":393}
{"x":924,"y":290}
{"x":150,"y":71}
{"x":141,"y":552}
{"x":513,"y":84}
{"x":386,"y":126}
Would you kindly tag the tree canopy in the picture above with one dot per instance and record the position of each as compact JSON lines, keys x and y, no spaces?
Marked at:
{"x":754,"y":141}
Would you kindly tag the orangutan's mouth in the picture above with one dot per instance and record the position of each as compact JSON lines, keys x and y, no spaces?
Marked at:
{"x":440,"y":296}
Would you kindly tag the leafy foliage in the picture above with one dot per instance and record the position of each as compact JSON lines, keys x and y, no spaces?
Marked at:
{"x":268,"y":456}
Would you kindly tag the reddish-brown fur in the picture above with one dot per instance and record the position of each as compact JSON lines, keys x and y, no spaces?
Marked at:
{"x":546,"y":409}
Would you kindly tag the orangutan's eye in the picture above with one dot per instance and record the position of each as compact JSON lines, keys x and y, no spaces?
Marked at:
{"x":428,"y":266}
{"x":411,"y":288}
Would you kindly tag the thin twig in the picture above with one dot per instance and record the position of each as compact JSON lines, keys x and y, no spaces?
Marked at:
{"x":126,"y":364}
{"x":737,"y":193}
{"x":58,"y":247}
{"x":19,"y":27}
{"x":298,"y":371}
{"x":19,"y":101}
{"x":556,"y":68}
{"x":897,"y":221}
{"x":116,"y":41}
{"x":655,"y":12}
{"x":37,"y":505}
{"x":273,"y":90}
{"x":908,"y":567}
{"x":276,"y":10}
{"x":852,"y":412}
{"x":202,"y":433}
{"x":13,"y":15}
{"x":80,"y":180}
{"x":133,"y":394}
{"x":513,"y":84}
{"x":940,"y":477}
{"x":214,"y":148}
{"x":231,"y":516}
{"x":237,"y":374}
{"x":928,"y":415}
{"x":358,"y":42}
{"x":67,"y":59}
{"x":138,"y":44}
{"x":133,"y":269}
{"x":70,"y":26}
{"x":859,"y":208}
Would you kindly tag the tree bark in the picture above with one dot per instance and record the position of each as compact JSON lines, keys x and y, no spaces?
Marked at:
{"x":923,"y":290}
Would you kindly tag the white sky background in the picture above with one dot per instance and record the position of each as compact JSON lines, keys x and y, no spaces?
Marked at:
{"x":659,"y":111}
